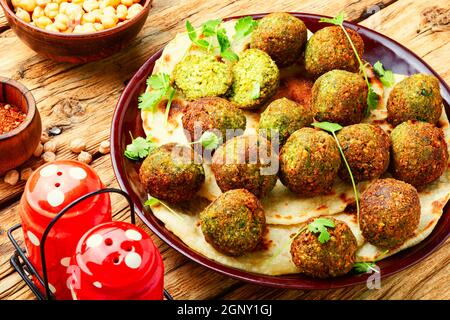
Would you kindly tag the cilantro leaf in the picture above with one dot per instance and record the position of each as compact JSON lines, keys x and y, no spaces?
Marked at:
{"x":256,"y":91}
{"x":139,"y":148}
{"x":244,"y":26}
{"x":158,"y":81}
{"x":328,"y":126}
{"x":372,"y":100}
{"x":364,"y":267}
{"x":225,"y":46}
{"x":194,"y":37}
{"x":209,"y":140}
{"x":321,"y":225}
{"x":148,"y":101}
{"x":209,"y":28}
{"x":386,"y":76}
{"x":338,"y":20}
{"x":426,"y":93}
{"x":152,"y":201}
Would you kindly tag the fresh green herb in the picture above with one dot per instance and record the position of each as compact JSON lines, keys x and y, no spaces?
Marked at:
{"x":209,"y":28}
{"x":364,"y":267}
{"x":425,"y":93}
{"x":244,"y":26}
{"x":192,"y":33}
{"x":386,"y":76}
{"x":372,"y":98}
{"x":256,"y":91}
{"x":139,"y":148}
{"x":152,"y":201}
{"x":333,"y":128}
{"x":209,"y":140}
{"x":225,"y":46}
{"x":321,"y":225}
{"x":160,"y":88}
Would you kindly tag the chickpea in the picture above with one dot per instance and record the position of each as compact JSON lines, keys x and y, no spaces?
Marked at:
{"x":134,"y":10}
{"x":23,"y":15}
{"x":98,"y":14}
{"x":51,"y":10}
{"x":63,"y":7}
{"x":109,"y":3}
{"x":90,"y":5}
{"x":44,"y":137}
{"x":78,"y":29}
{"x":12,"y":177}
{"x":50,"y":146}
{"x":42,"y":22}
{"x":58,"y":1}
{"x":88,"y":18}
{"x":78,"y":1}
{"x":52,"y":27}
{"x":89,"y":27}
{"x":42,"y":3}
{"x":98,"y":26}
{"x":61,"y":21}
{"x":105,"y":147}
{"x":48,"y":156}
{"x":85,"y":157}
{"x":122,"y":12}
{"x":27,"y":5}
{"x":15,"y":3}
{"x":109,"y":10}
{"x":136,"y":1}
{"x":77,"y":145}
{"x":25,"y":174}
{"x":127,"y":3}
{"x":74,"y":11}
{"x":39,"y":150}
{"x":109,"y":21}
{"x":37,"y":13}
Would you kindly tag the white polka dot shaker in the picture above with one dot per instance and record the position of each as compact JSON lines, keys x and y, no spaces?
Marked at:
{"x":49,"y":190}
{"x":116,"y":261}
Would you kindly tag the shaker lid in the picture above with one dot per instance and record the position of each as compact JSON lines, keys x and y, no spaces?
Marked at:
{"x":56,"y":184}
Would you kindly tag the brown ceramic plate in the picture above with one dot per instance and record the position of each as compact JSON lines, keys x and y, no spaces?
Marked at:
{"x":127,"y":119}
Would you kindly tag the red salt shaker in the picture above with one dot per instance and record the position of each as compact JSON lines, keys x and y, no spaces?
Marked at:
{"x":49,"y":190}
{"x":116,"y":261}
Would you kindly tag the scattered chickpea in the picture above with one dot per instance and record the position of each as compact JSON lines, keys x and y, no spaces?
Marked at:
{"x":44,"y":137}
{"x":105,"y":147}
{"x":77,"y":145}
{"x":23,"y":15}
{"x":85,"y":157}
{"x":50,"y":146}
{"x":25,"y":174}
{"x":39,"y":150}
{"x":12,"y":177}
{"x":134,"y":10}
{"x":49,"y":156}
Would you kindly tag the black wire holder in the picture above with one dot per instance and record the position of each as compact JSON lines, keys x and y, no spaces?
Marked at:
{"x":23,"y":266}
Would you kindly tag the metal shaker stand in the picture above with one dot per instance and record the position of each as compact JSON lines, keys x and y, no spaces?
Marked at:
{"x":23,"y":266}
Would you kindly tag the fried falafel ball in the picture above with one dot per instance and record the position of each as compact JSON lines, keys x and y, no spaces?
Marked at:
{"x":340,"y":96}
{"x":309,"y":162}
{"x":256,"y":79}
{"x":282,"y":36}
{"x":234,"y":223}
{"x":245,"y":162}
{"x":417,"y":97}
{"x":202,"y":75}
{"x":172,"y":173}
{"x":366,"y":148}
{"x":390,"y":213}
{"x":329,"y":49}
{"x":333,"y":258}
{"x":419,"y":153}
{"x":213,"y":113}
{"x":284,"y":116}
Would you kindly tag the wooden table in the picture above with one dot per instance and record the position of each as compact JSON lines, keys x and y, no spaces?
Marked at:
{"x":81,"y":100}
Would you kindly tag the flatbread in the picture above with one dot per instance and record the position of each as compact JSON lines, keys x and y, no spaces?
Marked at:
{"x":285,"y":211}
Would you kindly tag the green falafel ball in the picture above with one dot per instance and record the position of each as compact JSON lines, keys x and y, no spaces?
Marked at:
{"x":417,"y":97}
{"x":309,"y":162}
{"x":329,"y":49}
{"x":419,"y":153}
{"x":333,"y":258}
{"x":282,"y":36}
{"x":234,"y":223}
{"x":285,"y":117}
{"x":256,"y":79}
{"x":213,"y":113}
{"x":366,"y":148}
{"x":390,"y":213}
{"x":172,"y":173}
{"x":246,"y":162}
{"x":339,"y":96}
{"x":202,"y":75}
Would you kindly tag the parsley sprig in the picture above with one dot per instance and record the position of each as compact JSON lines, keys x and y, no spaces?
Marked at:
{"x":159,"y":89}
{"x":139,"y":148}
{"x":386,"y":76}
{"x":333,"y":128}
{"x":209,"y":140}
{"x":243,"y":27}
{"x":372,"y":97}
{"x":364,"y":267}
{"x":320,"y":226}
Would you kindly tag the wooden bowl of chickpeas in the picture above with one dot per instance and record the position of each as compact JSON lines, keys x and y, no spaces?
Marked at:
{"x":76,"y":31}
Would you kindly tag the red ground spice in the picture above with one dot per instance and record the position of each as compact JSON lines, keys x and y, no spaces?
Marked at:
{"x":10,"y":117}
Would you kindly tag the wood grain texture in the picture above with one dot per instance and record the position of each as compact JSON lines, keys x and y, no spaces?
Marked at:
{"x":81,"y":100}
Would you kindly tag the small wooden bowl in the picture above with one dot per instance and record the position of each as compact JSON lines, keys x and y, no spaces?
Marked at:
{"x":76,"y":48}
{"x":17,"y":146}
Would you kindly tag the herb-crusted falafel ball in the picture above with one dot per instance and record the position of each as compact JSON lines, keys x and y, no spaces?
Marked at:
{"x":202,"y":75}
{"x":416,"y":97}
{"x":329,"y":49}
{"x":340,"y":96}
{"x":234,"y":223}
{"x":284,"y":116}
{"x":172,"y":173}
{"x":333,"y":258}
{"x":309,"y":162}
{"x":390,"y":213}
{"x":366,"y":148}
{"x":212,"y":113}
{"x":282,"y":36}
{"x":419,"y":153}
{"x":245,"y":162}
{"x":256,"y":79}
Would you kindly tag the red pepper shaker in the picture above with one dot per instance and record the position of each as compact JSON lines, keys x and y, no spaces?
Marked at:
{"x":116,"y":261}
{"x":49,"y":190}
